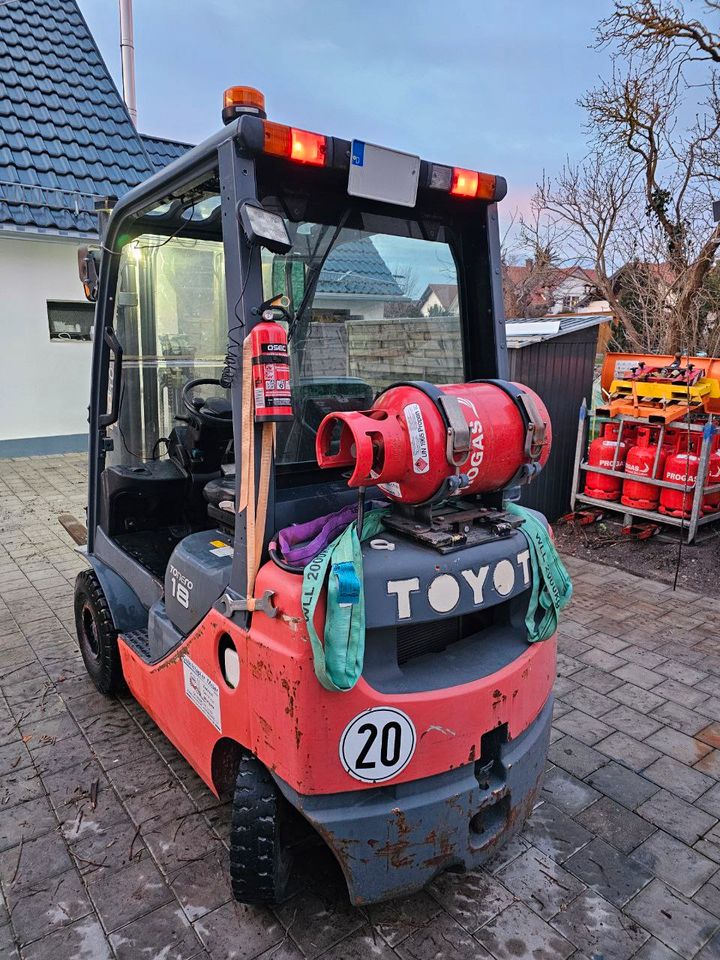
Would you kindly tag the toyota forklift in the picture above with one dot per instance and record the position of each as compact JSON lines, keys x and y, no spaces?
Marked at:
{"x":263,"y":382}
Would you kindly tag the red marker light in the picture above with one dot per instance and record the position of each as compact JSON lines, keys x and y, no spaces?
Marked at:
{"x":464,"y":182}
{"x":308,"y":147}
{"x":298,"y":145}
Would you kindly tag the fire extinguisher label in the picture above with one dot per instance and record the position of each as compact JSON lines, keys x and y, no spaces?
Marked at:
{"x":271,"y":386}
{"x":418,"y":438}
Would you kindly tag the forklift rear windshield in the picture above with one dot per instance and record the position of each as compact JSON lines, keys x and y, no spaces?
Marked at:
{"x":368,"y":309}
{"x":374,"y":300}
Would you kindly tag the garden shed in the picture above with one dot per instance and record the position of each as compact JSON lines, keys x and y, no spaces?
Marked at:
{"x":556,"y":357}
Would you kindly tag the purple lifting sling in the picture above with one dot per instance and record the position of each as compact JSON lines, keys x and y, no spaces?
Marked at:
{"x":301,"y":542}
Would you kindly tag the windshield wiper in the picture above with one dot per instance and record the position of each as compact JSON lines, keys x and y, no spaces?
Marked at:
{"x":312,"y":282}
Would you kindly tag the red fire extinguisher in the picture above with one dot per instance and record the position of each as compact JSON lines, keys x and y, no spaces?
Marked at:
{"x":645,"y":460}
{"x":270,"y":370}
{"x":606,"y":451}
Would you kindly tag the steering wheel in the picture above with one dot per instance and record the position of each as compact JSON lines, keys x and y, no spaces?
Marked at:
{"x":211,"y":410}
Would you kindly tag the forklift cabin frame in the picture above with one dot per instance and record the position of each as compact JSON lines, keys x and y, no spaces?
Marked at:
{"x":232,"y":154}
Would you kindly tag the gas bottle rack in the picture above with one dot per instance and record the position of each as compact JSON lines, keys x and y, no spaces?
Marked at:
{"x":698,"y":490}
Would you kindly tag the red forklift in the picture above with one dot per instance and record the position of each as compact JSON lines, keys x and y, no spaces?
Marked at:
{"x":275,"y":311}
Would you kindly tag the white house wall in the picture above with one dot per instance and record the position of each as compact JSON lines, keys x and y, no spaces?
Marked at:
{"x":357,"y":306}
{"x":432,"y":301}
{"x":576,"y":287}
{"x":45,"y":385}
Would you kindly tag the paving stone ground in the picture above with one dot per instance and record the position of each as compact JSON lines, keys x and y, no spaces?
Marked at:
{"x":110,"y":845}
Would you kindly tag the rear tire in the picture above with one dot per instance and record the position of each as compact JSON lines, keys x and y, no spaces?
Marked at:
{"x":259,"y":856}
{"x":97,"y":636}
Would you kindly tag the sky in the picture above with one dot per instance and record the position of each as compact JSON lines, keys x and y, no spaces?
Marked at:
{"x":489,"y":84}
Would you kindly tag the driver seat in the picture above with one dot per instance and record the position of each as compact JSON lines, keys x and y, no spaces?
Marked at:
{"x":217,"y":491}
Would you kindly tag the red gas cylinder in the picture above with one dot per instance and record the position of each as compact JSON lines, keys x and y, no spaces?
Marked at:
{"x":418,"y":438}
{"x":641,"y":461}
{"x":605,"y":451}
{"x":681,"y":467}
{"x":711,"y":503}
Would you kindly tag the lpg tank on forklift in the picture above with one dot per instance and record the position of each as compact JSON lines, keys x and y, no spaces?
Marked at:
{"x":271,"y":388}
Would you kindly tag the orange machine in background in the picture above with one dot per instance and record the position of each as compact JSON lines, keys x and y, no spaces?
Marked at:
{"x":660,"y":388}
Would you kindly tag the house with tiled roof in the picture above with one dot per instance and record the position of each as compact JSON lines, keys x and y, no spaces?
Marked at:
{"x":356,"y":279}
{"x":533,"y":289}
{"x":439,"y":298}
{"x":66,"y":140}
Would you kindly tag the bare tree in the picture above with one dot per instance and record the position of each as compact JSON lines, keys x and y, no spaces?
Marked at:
{"x":664,"y":30}
{"x":639,"y":206}
{"x":595,"y":199}
{"x":410,"y":288}
{"x":531,"y":264}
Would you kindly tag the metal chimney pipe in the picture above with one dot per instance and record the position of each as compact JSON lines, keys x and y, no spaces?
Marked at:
{"x":127,"y":56}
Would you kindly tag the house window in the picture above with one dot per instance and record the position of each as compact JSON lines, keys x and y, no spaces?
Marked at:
{"x":70,"y":320}
{"x":570,"y":302}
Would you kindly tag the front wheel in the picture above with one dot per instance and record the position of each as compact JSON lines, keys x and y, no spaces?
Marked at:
{"x":97,"y":636}
{"x":259,"y":855}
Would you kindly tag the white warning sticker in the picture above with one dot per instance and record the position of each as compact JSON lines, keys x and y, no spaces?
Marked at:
{"x":418,"y":438}
{"x":226,"y":551}
{"x":392,"y":488}
{"x":623,"y":368}
{"x":202,"y":691}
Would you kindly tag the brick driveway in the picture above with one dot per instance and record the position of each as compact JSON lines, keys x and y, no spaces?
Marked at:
{"x":110,"y":845}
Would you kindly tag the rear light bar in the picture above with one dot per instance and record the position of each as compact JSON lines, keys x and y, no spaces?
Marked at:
{"x":463,"y":183}
{"x":298,"y":145}
{"x":302,"y":146}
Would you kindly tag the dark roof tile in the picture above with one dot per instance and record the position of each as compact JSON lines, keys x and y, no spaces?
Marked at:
{"x":357,"y":269}
{"x":162,"y":151}
{"x":62,"y":121}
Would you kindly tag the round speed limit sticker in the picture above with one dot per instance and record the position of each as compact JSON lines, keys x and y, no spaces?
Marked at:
{"x":377,"y":744}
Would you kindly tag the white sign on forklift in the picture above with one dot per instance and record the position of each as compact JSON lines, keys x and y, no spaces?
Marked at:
{"x":377,"y":173}
{"x":201,"y":690}
{"x":377,"y":744}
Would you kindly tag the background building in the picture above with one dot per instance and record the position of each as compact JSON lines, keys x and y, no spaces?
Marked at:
{"x":65,"y":140}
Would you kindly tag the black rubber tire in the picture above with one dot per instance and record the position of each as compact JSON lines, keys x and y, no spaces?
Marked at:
{"x":260,"y":860}
{"x":97,"y":636}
